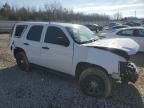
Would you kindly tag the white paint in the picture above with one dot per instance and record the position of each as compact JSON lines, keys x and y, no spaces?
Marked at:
{"x":65,"y":59}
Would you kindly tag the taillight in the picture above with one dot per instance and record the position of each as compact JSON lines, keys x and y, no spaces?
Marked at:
{"x":10,"y":35}
{"x":9,"y":38}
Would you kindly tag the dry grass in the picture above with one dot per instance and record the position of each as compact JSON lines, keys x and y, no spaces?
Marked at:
{"x":5,"y":58}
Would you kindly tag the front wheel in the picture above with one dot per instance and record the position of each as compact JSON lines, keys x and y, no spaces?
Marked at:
{"x":95,"y":82}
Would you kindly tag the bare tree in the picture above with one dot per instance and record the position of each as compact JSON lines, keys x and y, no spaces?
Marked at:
{"x":52,"y":12}
{"x":117,"y":16}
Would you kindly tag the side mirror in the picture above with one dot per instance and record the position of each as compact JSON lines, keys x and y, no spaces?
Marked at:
{"x":63,"y":41}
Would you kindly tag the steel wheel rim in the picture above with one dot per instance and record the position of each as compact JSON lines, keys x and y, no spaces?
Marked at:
{"x":95,"y":86}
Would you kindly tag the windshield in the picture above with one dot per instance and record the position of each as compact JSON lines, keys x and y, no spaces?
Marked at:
{"x":81,"y":34}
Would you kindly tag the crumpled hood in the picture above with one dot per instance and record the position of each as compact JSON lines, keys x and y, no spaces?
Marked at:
{"x":125,"y":44}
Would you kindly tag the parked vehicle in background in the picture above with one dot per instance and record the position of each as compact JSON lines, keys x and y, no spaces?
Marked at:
{"x":132,"y":24}
{"x":119,"y":26}
{"x":112,"y":29}
{"x":142,"y":23}
{"x":75,"y":50}
{"x":100,"y":28}
{"x":110,"y":25}
{"x":135,"y":33}
{"x":94,"y":27}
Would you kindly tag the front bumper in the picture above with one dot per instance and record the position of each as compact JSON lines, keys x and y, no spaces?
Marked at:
{"x":128,"y":72}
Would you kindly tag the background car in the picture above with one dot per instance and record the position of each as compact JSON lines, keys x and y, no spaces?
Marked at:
{"x":132,"y":24}
{"x":135,"y":33}
{"x":110,"y":25}
{"x":112,"y":29}
{"x":94,"y":27}
{"x":100,"y":28}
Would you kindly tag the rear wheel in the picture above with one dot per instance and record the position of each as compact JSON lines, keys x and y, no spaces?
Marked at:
{"x":95,"y":82}
{"x":22,"y":61}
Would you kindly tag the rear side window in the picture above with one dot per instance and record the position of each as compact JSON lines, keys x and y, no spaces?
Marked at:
{"x":20,"y":30}
{"x":34,"y":33}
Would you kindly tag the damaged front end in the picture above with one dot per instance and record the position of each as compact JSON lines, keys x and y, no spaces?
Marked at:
{"x":128,"y":72}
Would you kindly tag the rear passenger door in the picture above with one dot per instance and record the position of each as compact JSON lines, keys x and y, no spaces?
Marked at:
{"x":57,"y":50}
{"x":32,"y":43}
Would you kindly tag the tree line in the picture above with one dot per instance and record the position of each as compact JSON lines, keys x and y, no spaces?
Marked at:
{"x":50,"y":12}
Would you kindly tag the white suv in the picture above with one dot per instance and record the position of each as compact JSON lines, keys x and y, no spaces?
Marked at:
{"x":73,"y":49}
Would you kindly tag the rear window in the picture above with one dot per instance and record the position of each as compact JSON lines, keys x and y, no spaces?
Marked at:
{"x":20,"y":30}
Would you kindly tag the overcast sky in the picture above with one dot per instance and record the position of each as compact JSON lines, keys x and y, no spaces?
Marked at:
{"x":109,"y":7}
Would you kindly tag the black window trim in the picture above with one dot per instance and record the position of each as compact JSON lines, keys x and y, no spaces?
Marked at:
{"x":22,"y":31}
{"x":41,"y":33}
{"x":61,"y":30}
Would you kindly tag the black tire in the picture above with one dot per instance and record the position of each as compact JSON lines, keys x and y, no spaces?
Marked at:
{"x":22,"y":61}
{"x":95,"y":82}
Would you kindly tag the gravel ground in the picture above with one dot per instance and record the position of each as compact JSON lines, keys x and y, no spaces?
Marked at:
{"x":42,"y":89}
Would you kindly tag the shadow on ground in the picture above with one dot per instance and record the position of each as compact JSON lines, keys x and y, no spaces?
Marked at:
{"x":41,"y":89}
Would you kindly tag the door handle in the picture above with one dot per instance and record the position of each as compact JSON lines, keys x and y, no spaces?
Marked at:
{"x":45,"y":48}
{"x":26,"y":44}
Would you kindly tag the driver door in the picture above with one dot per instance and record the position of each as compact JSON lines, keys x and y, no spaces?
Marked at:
{"x":57,"y":50}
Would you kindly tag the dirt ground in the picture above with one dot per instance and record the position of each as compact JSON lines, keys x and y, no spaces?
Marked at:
{"x":43,"y":89}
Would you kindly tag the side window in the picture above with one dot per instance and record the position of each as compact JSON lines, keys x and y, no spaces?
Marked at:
{"x":20,"y":30}
{"x":128,"y":32}
{"x":34,"y":33}
{"x":55,"y":35}
{"x":136,"y":33}
{"x":141,"y":32}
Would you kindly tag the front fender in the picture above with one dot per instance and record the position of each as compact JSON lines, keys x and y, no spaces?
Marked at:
{"x":108,"y":60}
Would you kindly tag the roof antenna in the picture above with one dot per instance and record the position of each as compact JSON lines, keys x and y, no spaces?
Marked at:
{"x":135,"y":13}
{"x":49,"y":21}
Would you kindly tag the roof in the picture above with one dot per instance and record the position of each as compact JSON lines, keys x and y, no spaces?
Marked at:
{"x":53,"y":23}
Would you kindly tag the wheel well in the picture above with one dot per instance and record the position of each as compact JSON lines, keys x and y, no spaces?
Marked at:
{"x":17,"y":50}
{"x":83,"y":65}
